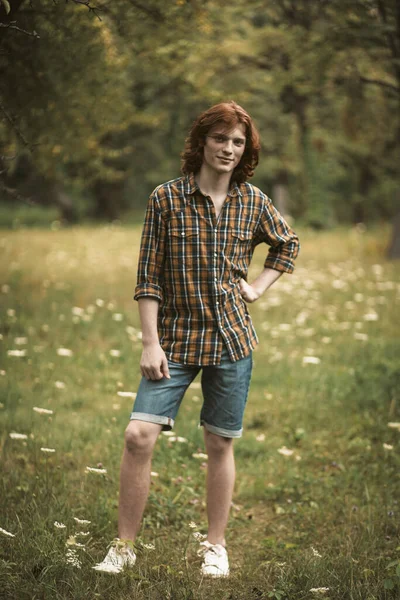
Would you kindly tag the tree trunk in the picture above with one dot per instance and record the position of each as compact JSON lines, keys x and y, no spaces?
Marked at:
{"x":393,"y":251}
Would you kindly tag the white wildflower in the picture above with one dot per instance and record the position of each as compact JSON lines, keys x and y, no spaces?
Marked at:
{"x":154,"y":474}
{"x":199,"y":536}
{"x":339,"y":284}
{"x":117,"y":317}
{"x":315,"y":552}
{"x":388,"y":446}
{"x":358,"y":297}
{"x":59,"y":525}
{"x":168,"y":433}
{"x":10,"y":312}
{"x":260,"y":437}
{"x":326,"y":340}
{"x":7,"y":533}
{"x":149,"y":546}
{"x":285,"y":451}
{"x":99,"y":302}
{"x":18,"y":436}
{"x":64,"y":352}
{"x":95,"y":470}
{"x":17,"y":353}
{"x":115,"y":353}
{"x":181,"y":440}
{"x":200,"y":455}
{"x":127,"y":394}
{"x":60,"y":385}
{"x":3,"y":372}
{"x":311,"y":360}
{"x":48,"y":450}
{"x":5,"y":288}
{"x":371,"y":316}
{"x":377,"y":269}
{"x":72,"y":558}
{"x":42,"y":411}
{"x":82,"y":521}
{"x":83,"y":533}
{"x":192,"y":525}
{"x":77,"y":311}
{"x":320,"y":590}
{"x":20,"y":341}
{"x":363,"y":337}
{"x":394,"y":425}
{"x":116,"y":406}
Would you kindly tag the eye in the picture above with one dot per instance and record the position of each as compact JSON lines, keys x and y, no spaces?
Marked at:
{"x":219,"y":138}
{"x":239,"y":142}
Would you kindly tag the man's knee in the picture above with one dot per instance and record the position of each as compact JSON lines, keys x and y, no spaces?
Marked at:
{"x":217,"y":444}
{"x":140,"y":437}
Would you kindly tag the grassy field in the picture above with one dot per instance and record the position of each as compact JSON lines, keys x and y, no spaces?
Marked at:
{"x":316,"y":505}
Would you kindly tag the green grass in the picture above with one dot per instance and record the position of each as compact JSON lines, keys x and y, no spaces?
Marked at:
{"x":327,"y":515}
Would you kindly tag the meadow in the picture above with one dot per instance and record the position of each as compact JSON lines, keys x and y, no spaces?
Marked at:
{"x":317,"y":500}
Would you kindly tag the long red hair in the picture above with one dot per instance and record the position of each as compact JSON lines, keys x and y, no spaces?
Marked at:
{"x":229,"y":114}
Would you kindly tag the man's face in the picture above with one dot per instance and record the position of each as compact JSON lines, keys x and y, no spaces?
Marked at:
{"x":224,"y":148}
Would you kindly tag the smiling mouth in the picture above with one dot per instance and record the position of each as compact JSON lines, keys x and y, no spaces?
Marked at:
{"x":227,"y":159}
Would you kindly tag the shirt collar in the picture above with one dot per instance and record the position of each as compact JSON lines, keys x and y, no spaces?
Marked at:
{"x":191,"y":187}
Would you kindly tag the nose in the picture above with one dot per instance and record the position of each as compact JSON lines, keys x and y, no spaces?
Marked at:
{"x":228,"y":147}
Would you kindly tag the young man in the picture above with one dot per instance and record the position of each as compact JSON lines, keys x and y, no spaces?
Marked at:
{"x":199,"y":235}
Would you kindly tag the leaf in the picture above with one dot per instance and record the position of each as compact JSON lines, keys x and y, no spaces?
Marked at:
{"x":6,"y":5}
{"x":398,"y":570}
{"x":388,"y":584}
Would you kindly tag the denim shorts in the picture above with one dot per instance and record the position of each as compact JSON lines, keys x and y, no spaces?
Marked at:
{"x":225,"y":389}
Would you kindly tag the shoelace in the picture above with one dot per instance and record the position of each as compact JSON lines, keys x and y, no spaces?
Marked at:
{"x":207,"y":549}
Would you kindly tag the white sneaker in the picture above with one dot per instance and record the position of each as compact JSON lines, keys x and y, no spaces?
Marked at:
{"x":118,"y":558}
{"x":215,"y":559}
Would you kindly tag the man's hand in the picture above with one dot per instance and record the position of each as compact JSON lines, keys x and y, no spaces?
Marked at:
{"x":154,"y":364}
{"x":248,"y":292}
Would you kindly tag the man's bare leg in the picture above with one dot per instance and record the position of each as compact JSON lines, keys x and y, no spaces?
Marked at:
{"x":220,"y":483}
{"x":140,"y":439}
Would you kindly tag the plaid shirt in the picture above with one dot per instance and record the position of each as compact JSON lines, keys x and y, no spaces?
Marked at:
{"x":192,"y":263}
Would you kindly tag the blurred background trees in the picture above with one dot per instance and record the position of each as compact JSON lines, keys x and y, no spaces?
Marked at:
{"x":96,"y":99}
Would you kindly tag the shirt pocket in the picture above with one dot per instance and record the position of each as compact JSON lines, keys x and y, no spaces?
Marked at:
{"x":184,"y":247}
{"x":239,"y":248}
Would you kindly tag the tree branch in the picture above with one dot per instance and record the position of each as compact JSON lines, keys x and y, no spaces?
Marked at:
{"x":383,"y":84}
{"x":15,"y":128}
{"x":11,"y":25}
{"x":93,"y":9}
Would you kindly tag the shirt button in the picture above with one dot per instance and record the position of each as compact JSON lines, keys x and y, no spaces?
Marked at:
{"x":216,"y":254}
{"x":217,"y":303}
{"x":183,"y":234}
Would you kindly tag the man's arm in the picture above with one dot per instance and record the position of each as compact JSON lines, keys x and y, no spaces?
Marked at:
{"x":251,"y":292}
{"x":153,"y":364}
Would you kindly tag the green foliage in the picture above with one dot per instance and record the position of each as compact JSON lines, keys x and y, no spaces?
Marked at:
{"x":104,"y":98}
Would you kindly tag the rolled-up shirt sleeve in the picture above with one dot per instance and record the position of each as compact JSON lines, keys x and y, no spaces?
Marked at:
{"x":152,"y":253}
{"x":275,"y":231}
